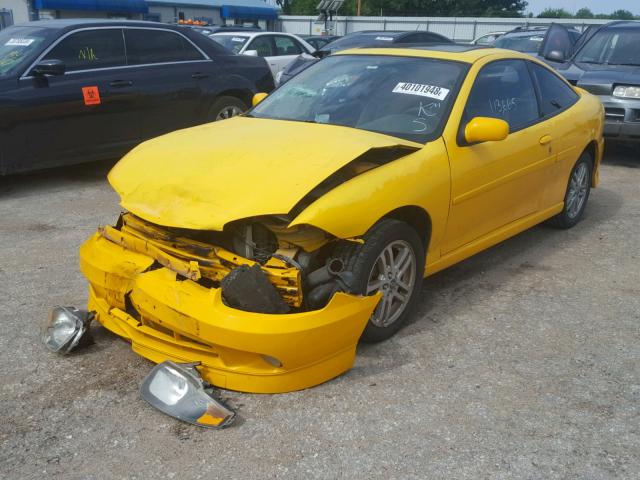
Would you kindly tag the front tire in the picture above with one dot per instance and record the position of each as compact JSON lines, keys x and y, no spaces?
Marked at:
{"x":576,"y":195}
{"x":391,"y":260}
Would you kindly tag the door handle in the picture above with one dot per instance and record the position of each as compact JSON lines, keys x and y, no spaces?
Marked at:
{"x":199,"y":75}
{"x":545,"y":140}
{"x":120,"y":83}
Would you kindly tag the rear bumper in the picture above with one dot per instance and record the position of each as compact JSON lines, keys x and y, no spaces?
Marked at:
{"x":622,"y":118}
{"x":166,"y":318}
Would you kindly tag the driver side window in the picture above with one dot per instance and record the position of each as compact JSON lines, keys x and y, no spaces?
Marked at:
{"x":504,"y":90}
{"x":90,"y":49}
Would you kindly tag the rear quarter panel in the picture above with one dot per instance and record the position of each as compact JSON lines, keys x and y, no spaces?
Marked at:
{"x":574,"y":129}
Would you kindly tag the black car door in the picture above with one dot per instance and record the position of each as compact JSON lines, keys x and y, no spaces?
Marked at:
{"x":84,"y":113}
{"x":168,"y":72}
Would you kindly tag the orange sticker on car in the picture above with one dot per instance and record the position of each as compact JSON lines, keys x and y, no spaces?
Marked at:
{"x":91,"y":95}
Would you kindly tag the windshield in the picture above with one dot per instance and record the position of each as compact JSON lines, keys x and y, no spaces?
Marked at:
{"x":231,"y":42}
{"x":528,"y":44}
{"x":18,"y":45}
{"x":612,"y":47}
{"x":405,"y":97}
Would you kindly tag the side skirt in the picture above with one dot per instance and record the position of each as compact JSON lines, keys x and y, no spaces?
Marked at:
{"x":492,"y":239}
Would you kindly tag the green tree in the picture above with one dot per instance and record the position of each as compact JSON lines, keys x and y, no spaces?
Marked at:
{"x":622,"y":15}
{"x":584,"y":13}
{"x":555,"y":13}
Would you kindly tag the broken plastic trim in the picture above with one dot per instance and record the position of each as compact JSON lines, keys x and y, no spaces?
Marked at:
{"x":178,"y":390}
{"x":372,"y":158}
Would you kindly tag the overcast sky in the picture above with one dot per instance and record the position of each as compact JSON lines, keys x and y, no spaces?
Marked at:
{"x":596,"y":6}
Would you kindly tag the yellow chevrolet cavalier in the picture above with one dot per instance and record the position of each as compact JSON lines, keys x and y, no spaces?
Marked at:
{"x":265,"y":246}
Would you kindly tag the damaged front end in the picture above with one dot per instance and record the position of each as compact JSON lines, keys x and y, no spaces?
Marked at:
{"x":263,"y":307}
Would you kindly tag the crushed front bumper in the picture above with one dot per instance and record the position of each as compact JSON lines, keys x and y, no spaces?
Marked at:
{"x":168,"y":317}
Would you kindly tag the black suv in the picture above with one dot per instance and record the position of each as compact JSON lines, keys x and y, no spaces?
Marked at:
{"x":73,"y":91}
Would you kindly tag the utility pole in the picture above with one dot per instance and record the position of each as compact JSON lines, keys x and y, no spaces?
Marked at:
{"x":359,"y":7}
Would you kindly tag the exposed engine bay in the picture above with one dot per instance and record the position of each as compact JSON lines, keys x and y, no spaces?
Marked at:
{"x":260,"y":264}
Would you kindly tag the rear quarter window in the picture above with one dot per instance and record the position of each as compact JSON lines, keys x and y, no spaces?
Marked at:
{"x":158,"y":46}
{"x":555,"y":95}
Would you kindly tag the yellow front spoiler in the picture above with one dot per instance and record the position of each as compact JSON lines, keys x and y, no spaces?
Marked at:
{"x":166,"y":317}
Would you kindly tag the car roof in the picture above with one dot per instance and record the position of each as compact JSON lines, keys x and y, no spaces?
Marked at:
{"x":525,"y":33}
{"x":383,"y":33}
{"x":249,"y":34}
{"x":622,"y":24}
{"x":456,"y":52}
{"x":69,"y":23}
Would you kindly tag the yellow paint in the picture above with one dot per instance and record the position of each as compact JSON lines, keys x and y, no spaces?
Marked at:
{"x":200,"y":178}
{"x":483,"y":129}
{"x":258,"y":97}
{"x":205,"y":177}
{"x":313,"y":346}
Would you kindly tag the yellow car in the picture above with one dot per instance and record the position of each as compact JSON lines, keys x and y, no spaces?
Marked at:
{"x":265,"y":246}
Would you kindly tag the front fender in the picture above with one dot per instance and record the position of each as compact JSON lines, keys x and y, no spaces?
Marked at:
{"x":420,"y":179}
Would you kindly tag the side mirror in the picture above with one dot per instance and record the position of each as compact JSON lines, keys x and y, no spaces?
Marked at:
{"x":49,"y":67}
{"x":485,"y":129}
{"x":555,"y":56}
{"x":251,"y":53}
{"x":258,"y":97}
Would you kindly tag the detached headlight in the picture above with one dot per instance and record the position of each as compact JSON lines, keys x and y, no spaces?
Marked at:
{"x":64,"y":328}
{"x":179,"y":391}
{"x":626,"y":91}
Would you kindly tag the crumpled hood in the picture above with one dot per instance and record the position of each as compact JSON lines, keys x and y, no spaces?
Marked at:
{"x":206,"y":176}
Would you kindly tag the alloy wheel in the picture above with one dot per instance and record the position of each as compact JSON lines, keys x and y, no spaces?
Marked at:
{"x":393,"y":274}
{"x":578,"y":187}
{"x":228,"y":112}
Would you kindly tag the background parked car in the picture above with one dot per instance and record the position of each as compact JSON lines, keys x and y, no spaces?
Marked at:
{"x":278,"y":49}
{"x":318,"y":41}
{"x":73,"y":91}
{"x":359,"y":40}
{"x":209,"y":29}
{"x":532,"y":40}
{"x":488,"y":39}
{"x":607,"y":64}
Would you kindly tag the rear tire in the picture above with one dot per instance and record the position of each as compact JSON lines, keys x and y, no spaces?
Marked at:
{"x":226,"y":107}
{"x":576,"y":195}
{"x":391,"y":260}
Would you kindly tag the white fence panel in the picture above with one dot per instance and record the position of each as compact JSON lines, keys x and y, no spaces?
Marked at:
{"x":456,"y":28}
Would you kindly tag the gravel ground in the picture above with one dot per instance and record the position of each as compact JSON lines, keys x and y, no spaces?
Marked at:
{"x":523,"y":362}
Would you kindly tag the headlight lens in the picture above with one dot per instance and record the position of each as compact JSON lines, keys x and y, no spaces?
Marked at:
{"x":179,"y":391}
{"x":626,"y":91}
{"x":64,"y":328}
